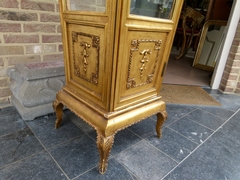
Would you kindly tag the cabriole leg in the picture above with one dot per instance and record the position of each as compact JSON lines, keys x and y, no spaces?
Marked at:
{"x":58,"y":108}
{"x":161,"y":117}
{"x":104,"y":145}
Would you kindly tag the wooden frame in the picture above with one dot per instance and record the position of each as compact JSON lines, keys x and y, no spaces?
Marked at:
{"x":201,"y":43}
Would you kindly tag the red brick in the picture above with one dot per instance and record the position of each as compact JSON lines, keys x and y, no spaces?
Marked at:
{"x":18,"y":16}
{"x":51,"y":38}
{"x":4,"y":92}
{"x":233,"y":77}
{"x":53,"y":57}
{"x":21,"y":38}
{"x":231,"y":83}
{"x":223,"y":82}
{"x":11,"y":50}
{"x":237,"y":34}
{"x":49,"y":18}
{"x":23,"y":59}
{"x":231,"y":56}
{"x":229,"y":61}
{"x":10,"y":27}
{"x":38,"y":49}
{"x":9,"y":3}
{"x":57,"y":8}
{"x":235,"y":70}
{"x":59,"y":29}
{"x":237,"y":91}
{"x":238,"y":85}
{"x":233,"y":49}
{"x":236,"y":42}
{"x":236,"y":63}
{"x":46,"y":28}
{"x":228,"y":90}
{"x":60,"y":48}
{"x":1,"y":62}
{"x":34,"y":5}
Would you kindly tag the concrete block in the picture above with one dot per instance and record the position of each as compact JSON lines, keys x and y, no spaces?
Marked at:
{"x":34,"y":87}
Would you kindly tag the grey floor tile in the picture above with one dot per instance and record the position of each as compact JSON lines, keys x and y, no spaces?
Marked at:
{"x":191,"y":130}
{"x":212,"y":91}
{"x":9,"y":115}
{"x":48,"y":119}
{"x":146,"y":162}
{"x":144,"y":128}
{"x":173,"y":144}
{"x":114,"y":171}
{"x":123,"y":139}
{"x":17,"y":146}
{"x":76,"y":156}
{"x":220,"y":112}
{"x":10,"y":123}
{"x":206,"y":119}
{"x":218,"y":158}
{"x":228,"y":101}
{"x":78,"y":121}
{"x":50,"y":136}
{"x":175,"y":112}
{"x":39,"y":166}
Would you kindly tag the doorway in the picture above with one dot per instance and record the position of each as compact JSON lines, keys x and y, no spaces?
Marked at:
{"x":182,"y":72}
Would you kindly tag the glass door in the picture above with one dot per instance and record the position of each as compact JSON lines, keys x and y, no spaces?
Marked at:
{"x":152,"y":8}
{"x":94,"y":6}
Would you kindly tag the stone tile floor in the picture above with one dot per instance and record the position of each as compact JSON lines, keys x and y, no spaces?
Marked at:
{"x":198,"y":142}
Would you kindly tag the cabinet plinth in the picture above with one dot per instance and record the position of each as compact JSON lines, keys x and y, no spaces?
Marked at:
{"x":115,"y":54}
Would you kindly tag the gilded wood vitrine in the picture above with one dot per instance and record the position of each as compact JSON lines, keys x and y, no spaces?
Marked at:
{"x":115,"y":54}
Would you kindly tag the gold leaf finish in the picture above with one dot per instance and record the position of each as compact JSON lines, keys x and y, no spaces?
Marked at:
{"x":113,"y":65}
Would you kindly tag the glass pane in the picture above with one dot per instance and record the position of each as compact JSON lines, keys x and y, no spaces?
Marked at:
{"x":152,"y":8}
{"x":87,"y":5}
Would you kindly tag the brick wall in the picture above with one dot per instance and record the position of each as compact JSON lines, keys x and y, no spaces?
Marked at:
{"x":29,"y":32}
{"x":230,"y":82}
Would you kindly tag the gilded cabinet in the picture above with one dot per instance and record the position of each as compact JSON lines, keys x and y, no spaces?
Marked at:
{"x":115,"y":54}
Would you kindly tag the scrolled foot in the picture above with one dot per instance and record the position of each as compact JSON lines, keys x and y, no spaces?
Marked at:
{"x":58,"y":108}
{"x":161,"y":117}
{"x":104,"y":146}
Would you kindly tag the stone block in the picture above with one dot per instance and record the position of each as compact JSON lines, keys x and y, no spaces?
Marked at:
{"x":34,"y":87}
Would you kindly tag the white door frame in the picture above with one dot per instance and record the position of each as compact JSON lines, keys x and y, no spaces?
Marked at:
{"x":226,"y":45}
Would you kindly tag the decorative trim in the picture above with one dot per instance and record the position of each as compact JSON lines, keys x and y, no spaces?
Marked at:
{"x":131,"y":83}
{"x":95,"y":44}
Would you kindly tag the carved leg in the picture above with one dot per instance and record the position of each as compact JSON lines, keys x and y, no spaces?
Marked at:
{"x":104,"y":146}
{"x":161,"y":117}
{"x":58,"y":108}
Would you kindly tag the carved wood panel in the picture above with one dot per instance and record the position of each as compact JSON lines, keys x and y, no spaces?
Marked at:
{"x":144,"y":59}
{"x":142,"y":65}
{"x":86,"y":49}
{"x":86,"y":61}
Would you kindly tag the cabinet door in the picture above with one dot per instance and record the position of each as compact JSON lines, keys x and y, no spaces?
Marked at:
{"x":88,"y":28}
{"x":147,"y":30}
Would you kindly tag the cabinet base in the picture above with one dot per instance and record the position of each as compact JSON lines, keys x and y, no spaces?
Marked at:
{"x":106,"y":128}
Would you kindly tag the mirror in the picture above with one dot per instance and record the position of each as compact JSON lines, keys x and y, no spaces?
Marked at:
{"x":208,"y":47}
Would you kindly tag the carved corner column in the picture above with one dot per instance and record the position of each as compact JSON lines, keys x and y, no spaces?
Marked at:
{"x":104,"y":145}
{"x":161,"y":118}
